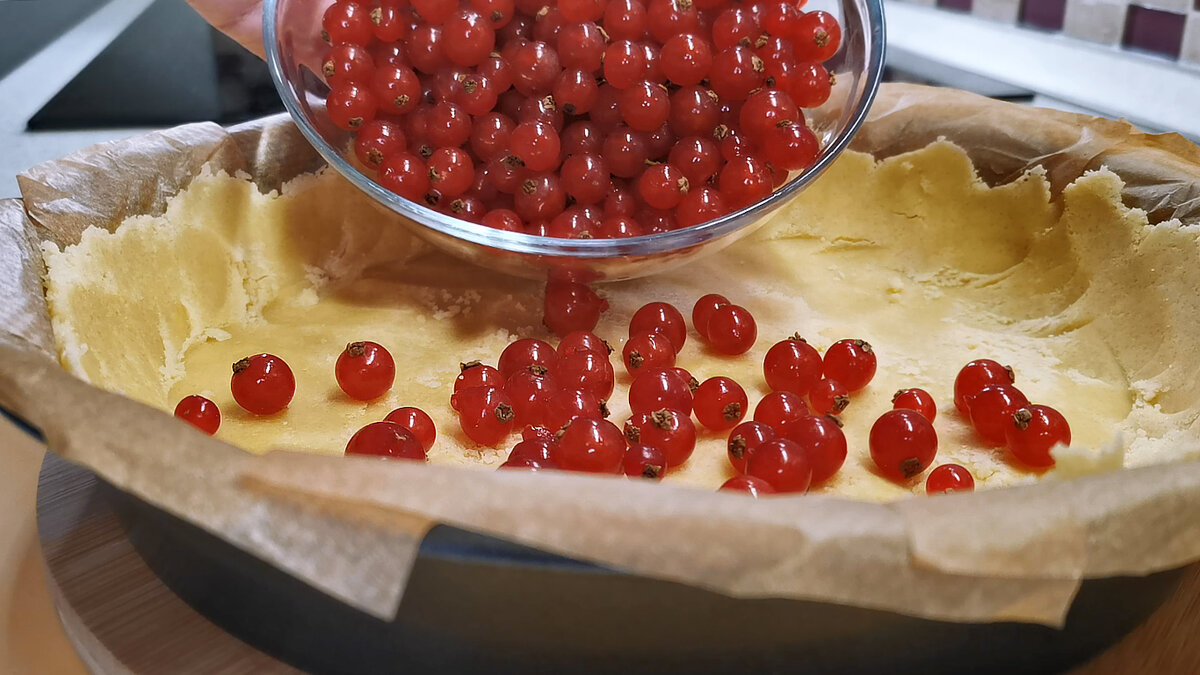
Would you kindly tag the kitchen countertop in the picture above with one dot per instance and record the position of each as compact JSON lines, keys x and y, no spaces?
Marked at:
{"x":32,"y":641}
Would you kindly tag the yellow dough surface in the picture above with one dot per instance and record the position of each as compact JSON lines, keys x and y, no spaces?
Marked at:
{"x":913,"y":254}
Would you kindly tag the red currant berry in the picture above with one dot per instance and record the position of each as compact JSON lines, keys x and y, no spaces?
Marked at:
{"x":692,"y":383}
{"x":744,"y":181}
{"x":668,"y":18}
{"x":535,"y":67}
{"x":497,"y":12}
{"x":571,"y":307}
{"x":577,"y":11}
{"x":645,"y":106}
{"x":781,"y":463}
{"x":1034,"y":432}
{"x":583,"y":341}
{"x":749,"y":485}
{"x":735,"y":72}
{"x":822,"y":439}
{"x":585,"y":177}
{"x":790,"y":147}
{"x":576,"y":91}
{"x":915,"y":399}
{"x":406,"y":175}
{"x":426,"y":49}
{"x":485,"y":414}
{"x":566,"y":405}
{"x":536,"y":144}
{"x":694,"y":112}
{"x":476,"y":374}
{"x":903,"y":443}
{"x":720,"y":403}
{"x":591,"y":445}
{"x":350,"y":106}
{"x":662,"y":186}
{"x":624,"y":64}
{"x":539,"y":445}
{"x":531,"y":394}
{"x":659,"y":142}
{"x":347,"y":23}
{"x":547,"y":23}
{"x":476,"y":95}
{"x":448,"y":125}
{"x":659,"y":388}
{"x":949,"y":478}
{"x":451,"y":171}
{"x":200,"y":413}
{"x":346,"y":63}
{"x":703,"y":310}
{"x":626,"y":153}
{"x":503,"y":219}
{"x":472,"y":37}
{"x":779,"y":407}
{"x":385,"y":439}
{"x":490,"y":135}
{"x":262,"y":384}
{"x":732,"y":330}
{"x":817,"y":37}
{"x":581,"y":46}
{"x":975,"y":376}
{"x":527,"y":354}
{"x":792,"y":365}
{"x":698,"y":158}
{"x":663,"y":318}
{"x":781,"y":19}
{"x":581,"y":138}
{"x":991,"y":410}
{"x":378,"y":139}
{"x":417,"y":422}
{"x":851,"y":362}
{"x":529,"y":464}
{"x":686,"y":59}
{"x":539,"y":197}
{"x":497,"y":70}
{"x":828,"y":397}
{"x":744,"y":439}
{"x":588,"y":371}
{"x":811,"y":85}
{"x":625,"y":20}
{"x":365,"y":370}
{"x":700,"y":206}
{"x":435,"y":11}
{"x":390,"y":53}
{"x":734,"y":26}
{"x":390,"y":21}
{"x":644,"y":461}
{"x":766,"y":110}
{"x":668,"y":430}
{"x":647,"y":350}
{"x":618,"y":227}
{"x":572,"y":224}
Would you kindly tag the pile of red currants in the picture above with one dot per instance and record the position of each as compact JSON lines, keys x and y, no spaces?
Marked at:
{"x":579,"y":118}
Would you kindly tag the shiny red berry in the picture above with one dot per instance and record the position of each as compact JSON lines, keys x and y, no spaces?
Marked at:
{"x":792,"y":365}
{"x":663,"y":318}
{"x":744,"y":439}
{"x":828,"y":397}
{"x":668,"y":430}
{"x":647,"y":350}
{"x":589,"y":371}
{"x":583,"y":341}
{"x":703,"y":310}
{"x":720,"y":403}
{"x":781,"y":463}
{"x":347,"y":23}
{"x":571,"y":307}
{"x":566,"y":405}
{"x":915,"y":399}
{"x":903,"y":443}
{"x":418,"y":423}
{"x":822,"y":439}
{"x":644,"y":461}
{"x":350,"y":106}
{"x":527,"y":354}
{"x":850,"y":362}
{"x":471,"y":35}
{"x":991,"y":410}
{"x":475,"y":374}
{"x":200,"y":413}
{"x":531,"y":394}
{"x":540,"y":449}
{"x":485,"y":414}
{"x":1034,"y":432}
{"x":592,"y":445}
{"x":749,"y":485}
{"x":779,"y":407}
{"x":385,"y":439}
{"x":817,"y":37}
{"x":949,"y":478}
{"x":365,"y":370}
{"x":262,"y":384}
{"x":732,"y":330}
{"x":659,"y":388}
{"x":975,"y":376}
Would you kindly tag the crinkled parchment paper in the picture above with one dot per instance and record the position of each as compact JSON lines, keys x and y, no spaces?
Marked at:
{"x":351,"y":527}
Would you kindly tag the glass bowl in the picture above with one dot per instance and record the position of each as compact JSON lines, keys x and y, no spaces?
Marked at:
{"x":291,"y":30}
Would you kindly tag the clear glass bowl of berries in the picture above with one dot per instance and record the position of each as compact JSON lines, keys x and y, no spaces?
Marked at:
{"x":606,"y":139}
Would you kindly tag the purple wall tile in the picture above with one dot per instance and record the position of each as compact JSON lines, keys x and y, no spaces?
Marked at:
{"x":1154,"y":30}
{"x":1047,"y":14}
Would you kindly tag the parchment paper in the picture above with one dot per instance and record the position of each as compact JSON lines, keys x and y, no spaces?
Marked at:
{"x":351,"y":526}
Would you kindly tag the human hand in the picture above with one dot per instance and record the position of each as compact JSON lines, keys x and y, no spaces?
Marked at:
{"x":239,"y":19}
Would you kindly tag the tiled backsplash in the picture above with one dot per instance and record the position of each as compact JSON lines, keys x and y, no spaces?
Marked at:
{"x":1166,"y":28}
